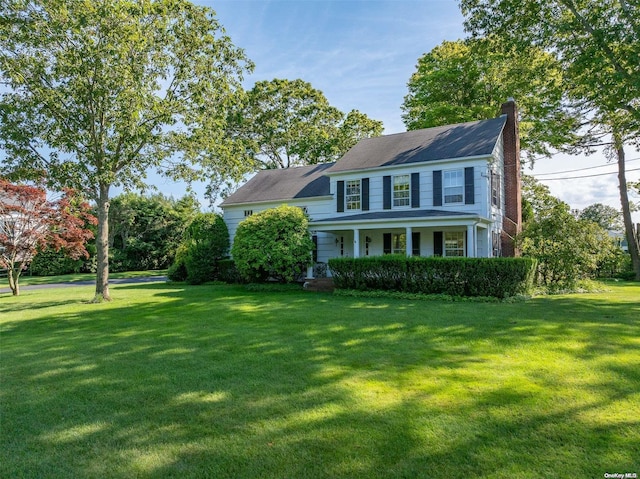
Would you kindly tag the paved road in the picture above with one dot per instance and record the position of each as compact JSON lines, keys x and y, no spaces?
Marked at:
{"x":146,"y":279}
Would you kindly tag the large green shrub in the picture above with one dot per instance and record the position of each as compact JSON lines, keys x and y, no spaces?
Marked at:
{"x":496,"y":277}
{"x":145,"y":231}
{"x":205,"y":244}
{"x":567,"y":249}
{"x":274,"y":243}
{"x":49,"y":262}
{"x":178,"y":270}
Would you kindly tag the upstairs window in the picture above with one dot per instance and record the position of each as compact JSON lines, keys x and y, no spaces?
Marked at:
{"x":248,"y":213}
{"x":453,"y":186}
{"x":401,"y":190}
{"x":495,"y":189}
{"x":353,"y":195}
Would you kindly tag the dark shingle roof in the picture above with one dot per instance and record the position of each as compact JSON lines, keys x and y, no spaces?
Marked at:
{"x":395,"y":214}
{"x":283,"y":184}
{"x":475,"y":138}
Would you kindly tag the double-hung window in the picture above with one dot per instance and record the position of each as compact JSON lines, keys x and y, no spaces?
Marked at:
{"x":353,"y":195}
{"x":401,"y":190}
{"x":454,"y":243}
{"x":453,"y":186}
{"x":495,"y":189}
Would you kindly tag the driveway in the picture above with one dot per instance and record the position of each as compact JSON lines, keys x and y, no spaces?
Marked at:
{"x":145,"y":279}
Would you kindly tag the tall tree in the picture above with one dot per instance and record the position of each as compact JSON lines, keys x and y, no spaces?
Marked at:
{"x":605,"y":216}
{"x":29,"y":221}
{"x":100,"y":92}
{"x":597,"y":43}
{"x":567,"y":249}
{"x":289,"y":123}
{"x":468,"y":80}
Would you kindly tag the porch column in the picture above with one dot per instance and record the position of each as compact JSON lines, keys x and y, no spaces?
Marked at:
{"x":471,"y":241}
{"x":356,"y":243}
{"x":409,"y":241}
{"x":310,"y":272}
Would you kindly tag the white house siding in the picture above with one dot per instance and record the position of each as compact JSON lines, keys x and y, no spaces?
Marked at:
{"x":481,"y":185}
{"x":339,"y":240}
{"x":317,"y":208}
{"x":496,"y":214}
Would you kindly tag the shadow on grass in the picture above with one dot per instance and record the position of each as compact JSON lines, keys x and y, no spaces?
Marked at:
{"x":218,"y":382}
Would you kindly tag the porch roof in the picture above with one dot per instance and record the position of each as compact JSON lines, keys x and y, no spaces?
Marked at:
{"x":394,"y":216}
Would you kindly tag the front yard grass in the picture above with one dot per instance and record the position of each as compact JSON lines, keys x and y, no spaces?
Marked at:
{"x":214,"y":381}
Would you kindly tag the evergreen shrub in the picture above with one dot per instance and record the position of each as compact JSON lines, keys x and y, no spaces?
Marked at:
{"x":473,"y":277}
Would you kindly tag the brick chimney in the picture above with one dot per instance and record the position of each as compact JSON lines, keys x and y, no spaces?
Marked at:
{"x":512,"y":223}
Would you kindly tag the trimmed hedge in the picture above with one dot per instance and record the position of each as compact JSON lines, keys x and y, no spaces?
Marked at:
{"x":495,"y":277}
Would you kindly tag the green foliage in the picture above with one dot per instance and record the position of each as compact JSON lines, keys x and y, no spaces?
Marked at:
{"x":477,"y":277}
{"x":228,"y":272}
{"x":95,"y":94}
{"x":145,"y":231}
{"x":605,"y":216}
{"x":273,"y":243}
{"x":567,"y":249}
{"x":200,"y":263}
{"x":597,"y":41}
{"x":209,"y":229}
{"x":468,"y":80}
{"x":178,"y":270}
{"x":287,"y":123}
{"x":205,"y":244}
{"x":49,"y":262}
{"x":597,"y":44}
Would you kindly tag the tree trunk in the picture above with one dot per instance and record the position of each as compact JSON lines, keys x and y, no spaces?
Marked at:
{"x":626,"y":211}
{"x":14,"y":276}
{"x":102,"y":247}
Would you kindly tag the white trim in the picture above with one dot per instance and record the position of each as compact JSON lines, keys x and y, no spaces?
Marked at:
{"x":378,"y":223}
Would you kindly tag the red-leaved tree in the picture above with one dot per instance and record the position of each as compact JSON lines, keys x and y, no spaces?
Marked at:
{"x":28,"y":221}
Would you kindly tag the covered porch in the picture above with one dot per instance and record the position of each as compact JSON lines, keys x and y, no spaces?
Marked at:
{"x":415,"y":233}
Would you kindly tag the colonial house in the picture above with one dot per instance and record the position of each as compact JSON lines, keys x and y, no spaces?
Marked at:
{"x":450,"y":191}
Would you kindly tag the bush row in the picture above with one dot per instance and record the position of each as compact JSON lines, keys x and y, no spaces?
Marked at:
{"x":495,"y":277}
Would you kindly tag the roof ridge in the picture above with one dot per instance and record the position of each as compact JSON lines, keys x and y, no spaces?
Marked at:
{"x":449,"y":126}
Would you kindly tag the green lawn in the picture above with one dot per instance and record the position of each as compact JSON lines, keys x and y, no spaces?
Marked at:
{"x":216,"y":382}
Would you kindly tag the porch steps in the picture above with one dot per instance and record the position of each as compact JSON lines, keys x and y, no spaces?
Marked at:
{"x":319,"y":285}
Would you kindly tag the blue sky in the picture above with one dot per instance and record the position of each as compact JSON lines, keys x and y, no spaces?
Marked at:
{"x":361,"y":54}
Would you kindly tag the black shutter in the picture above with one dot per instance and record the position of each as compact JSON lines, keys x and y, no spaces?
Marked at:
{"x":340,"y":197}
{"x":386,"y":192}
{"x":438,"y":249}
{"x":437,"y":188}
{"x":386,"y":237}
{"x":415,"y":190}
{"x":365,"y":194}
{"x":469,"y":190}
{"x":415,"y":243}
{"x":314,"y":238}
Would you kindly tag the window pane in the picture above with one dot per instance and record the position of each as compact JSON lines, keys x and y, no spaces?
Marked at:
{"x":401,"y":190}
{"x":353,"y":195}
{"x":454,"y":243}
{"x":399,"y":243}
{"x":453,"y":186}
